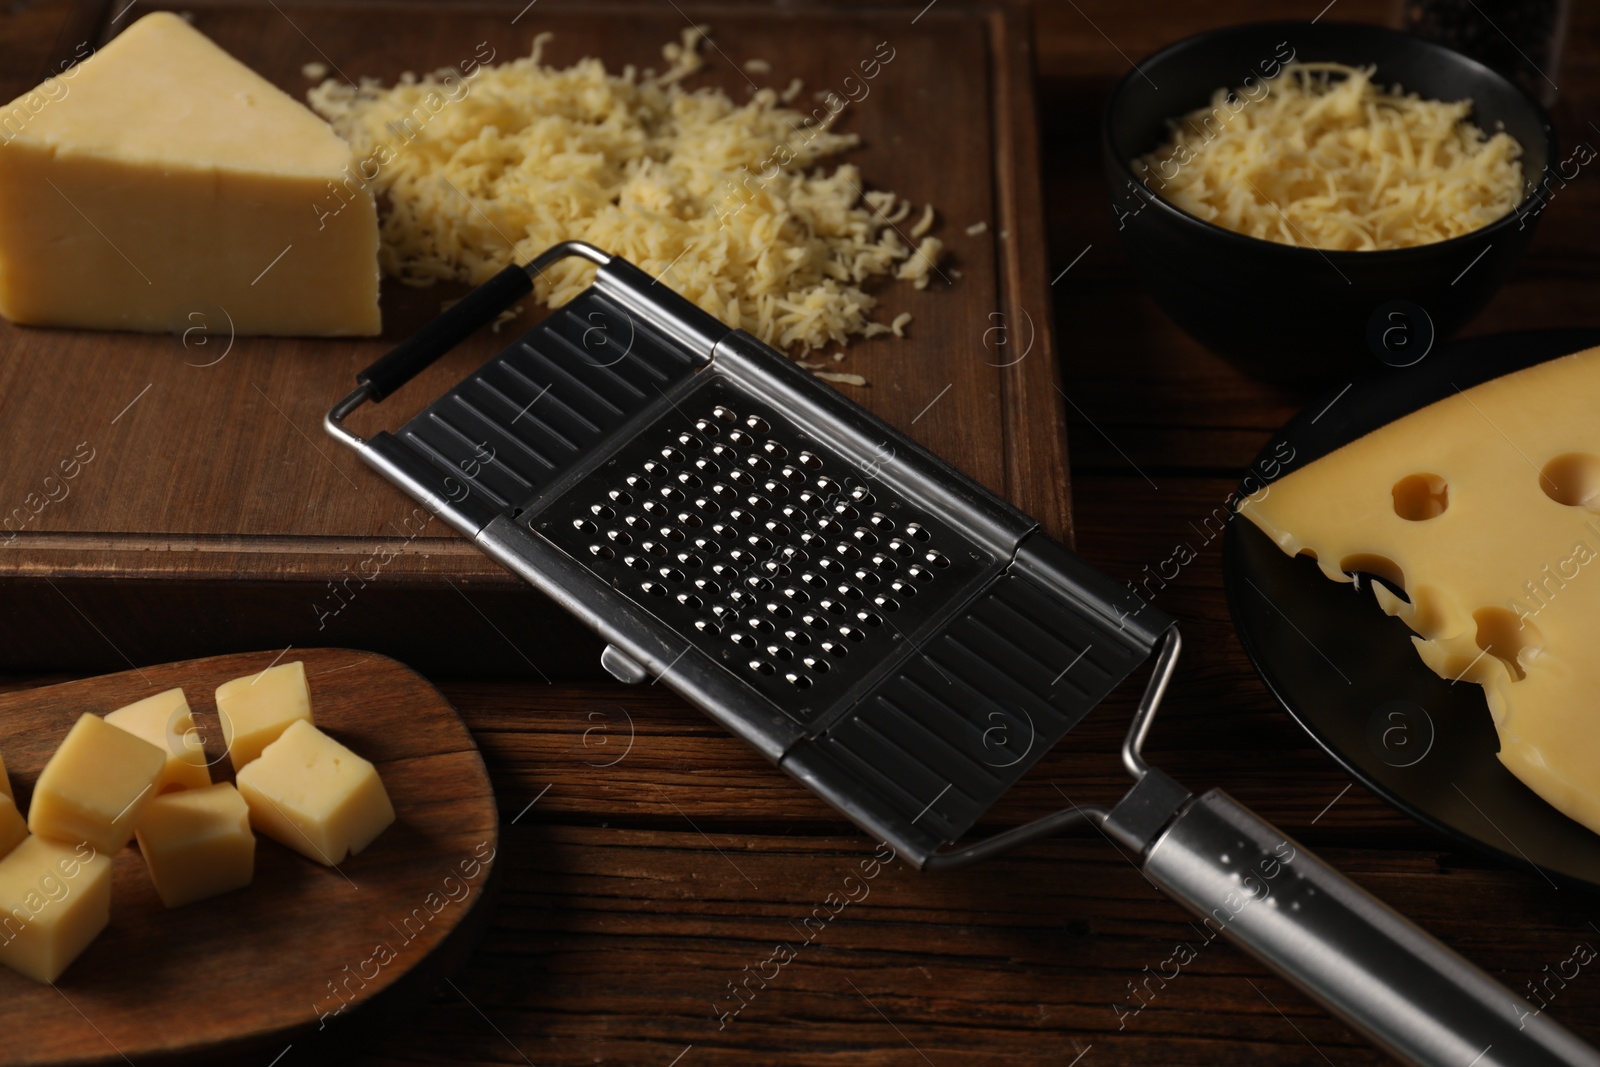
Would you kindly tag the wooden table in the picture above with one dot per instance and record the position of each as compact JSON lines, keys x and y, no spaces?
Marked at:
{"x":653,"y":863}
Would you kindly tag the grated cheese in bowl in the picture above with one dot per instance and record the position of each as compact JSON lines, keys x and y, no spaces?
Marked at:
{"x":1324,"y":158}
{"x":724,"y":202}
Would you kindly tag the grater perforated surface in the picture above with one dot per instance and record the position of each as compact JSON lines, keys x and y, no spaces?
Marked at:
{"x":696,"y":496}
{"x":796,"y":568}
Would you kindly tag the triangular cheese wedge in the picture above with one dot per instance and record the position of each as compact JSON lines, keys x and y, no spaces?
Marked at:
{"x":161,"y":179}
{"x":1485,"y":509}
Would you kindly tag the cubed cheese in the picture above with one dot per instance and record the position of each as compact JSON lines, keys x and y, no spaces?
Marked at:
{"x":54,"y":900}
{"x":162,"y":185}
{"x":197,"y":843}
{"x":165,"y":721}
{"x":312,"y":794}
{"x":13,"y":827}
{"x":257,"y":708}
{"x":96,"y":786}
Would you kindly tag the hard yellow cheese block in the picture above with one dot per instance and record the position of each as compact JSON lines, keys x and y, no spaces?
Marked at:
{"x":1485,"y":509}
{"x":312,"y":794}
{"x":161,"y":185}
{"x":54,"y":900}
{"x":257,"y":708}
{"x":197,"y":843}
{"x":165,"y":721}
{"x":13,"y":827}
{"x":95,"y":786}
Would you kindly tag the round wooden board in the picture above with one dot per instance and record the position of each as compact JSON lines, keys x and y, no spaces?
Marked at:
{"x":271,"y":965}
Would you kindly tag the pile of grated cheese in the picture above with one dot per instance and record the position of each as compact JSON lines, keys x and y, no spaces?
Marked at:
{"x":722,"y":201}
{"x":1324,"y":158}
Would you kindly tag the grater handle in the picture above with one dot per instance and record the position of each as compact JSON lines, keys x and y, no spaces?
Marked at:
{"x":1366,"y":963}
{"x":417,"y":352}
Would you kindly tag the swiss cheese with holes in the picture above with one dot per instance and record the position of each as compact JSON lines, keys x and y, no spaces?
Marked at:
{"x":1485,"y":509}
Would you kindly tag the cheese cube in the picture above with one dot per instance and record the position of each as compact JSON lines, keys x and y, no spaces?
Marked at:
{"x":257,"y":708}
{"x":310,"y":793}
{"x":54,"y":900}
{"x":161,"y":185}
{"x":165,"y":721}
{"x":13,"y":828}
{"x":197,"y":843}
{"x":96,"y":786}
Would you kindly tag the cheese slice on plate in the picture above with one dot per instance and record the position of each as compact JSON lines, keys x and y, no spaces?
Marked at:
{"x":160,"y":184}
{"x":1485,"y":509}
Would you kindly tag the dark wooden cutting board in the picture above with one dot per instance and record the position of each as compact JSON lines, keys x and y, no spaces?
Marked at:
{"x":250,"y":971}
{"x":208,"y":509}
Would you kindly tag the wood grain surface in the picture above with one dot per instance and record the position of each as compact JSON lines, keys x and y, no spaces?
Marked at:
{"x":304,"y":950}
{"x":662,"y":860}
{"x":208,"y":466}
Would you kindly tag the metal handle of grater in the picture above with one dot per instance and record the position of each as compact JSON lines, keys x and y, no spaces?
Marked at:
{"x":1345,"y":948}
{"x":1363,"y":961}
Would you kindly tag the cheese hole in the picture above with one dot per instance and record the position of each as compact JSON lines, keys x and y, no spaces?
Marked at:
{"x":1572,"y":479}
{"x":1382,"y":568}
{"x":1508,"y":639}
{"x":1420,"y":496}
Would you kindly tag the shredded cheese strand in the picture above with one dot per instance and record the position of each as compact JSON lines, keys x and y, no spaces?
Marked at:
{"x":720,"y":200}
{"x":1324,"y":158}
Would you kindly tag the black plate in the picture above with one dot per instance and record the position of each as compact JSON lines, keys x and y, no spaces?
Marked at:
{"x":1348,"y":673}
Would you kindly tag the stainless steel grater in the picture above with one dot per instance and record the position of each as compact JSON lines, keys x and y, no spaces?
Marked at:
{"x":887,"y":631}
{"x":877,"y":624}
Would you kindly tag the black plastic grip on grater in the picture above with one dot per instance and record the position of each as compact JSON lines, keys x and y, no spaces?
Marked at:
{"x":887,"y":631}
{"x":439,"y":335}
{"x":533,"y":413}
{"x":947,"y":733}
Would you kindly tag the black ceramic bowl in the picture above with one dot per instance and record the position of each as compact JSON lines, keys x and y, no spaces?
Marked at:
{"x":1299,"y":313}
